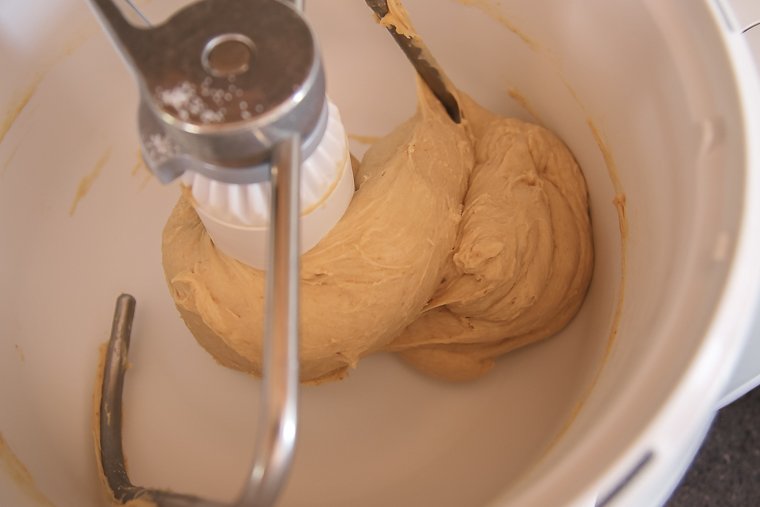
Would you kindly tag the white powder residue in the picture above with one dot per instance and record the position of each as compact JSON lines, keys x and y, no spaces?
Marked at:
{"x":206,"y":104}
{"x":184,"y":99}
{"x":158,"y":148}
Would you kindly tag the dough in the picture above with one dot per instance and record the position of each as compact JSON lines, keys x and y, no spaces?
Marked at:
{"x":523,"y":258}
{"x":462,"y":242}
{"x":368,"y":279}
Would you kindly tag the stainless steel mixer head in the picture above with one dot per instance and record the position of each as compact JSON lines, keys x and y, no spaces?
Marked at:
{"x":221,"y":83}
{"x":232,"y":89}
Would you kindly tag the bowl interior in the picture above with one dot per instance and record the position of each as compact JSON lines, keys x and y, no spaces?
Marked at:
{"x":81,"y":221}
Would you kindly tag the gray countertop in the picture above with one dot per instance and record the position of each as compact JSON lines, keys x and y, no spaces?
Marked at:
{"x":726,"y":471}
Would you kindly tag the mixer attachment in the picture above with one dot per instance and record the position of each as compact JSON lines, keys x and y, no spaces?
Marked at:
{"x":203,"y":109}
{"x":421,"y":58}
{"x":275,"y":440}
{"x":234,"y":91}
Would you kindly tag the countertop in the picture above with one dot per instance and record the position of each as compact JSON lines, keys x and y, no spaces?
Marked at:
{"x":726,"y":471}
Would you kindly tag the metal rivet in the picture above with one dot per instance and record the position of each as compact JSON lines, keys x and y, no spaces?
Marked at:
{"x":228,"y":55}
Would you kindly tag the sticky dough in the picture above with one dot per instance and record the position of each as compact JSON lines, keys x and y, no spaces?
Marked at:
{"x":462,"y":242}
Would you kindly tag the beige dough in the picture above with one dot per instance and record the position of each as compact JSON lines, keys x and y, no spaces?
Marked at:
{"x":523,"y":258}
{"x":462,"y":242}
{"x":368,"y":279}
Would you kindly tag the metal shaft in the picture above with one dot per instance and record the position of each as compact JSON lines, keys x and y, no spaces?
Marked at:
{"x":276,"y":439}
{"x":278,"y":420}
{"x":423,"y":62}
{"x":112,"y":454}
{"x":276,"y":116}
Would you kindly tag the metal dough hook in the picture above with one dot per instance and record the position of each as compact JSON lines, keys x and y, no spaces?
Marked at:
{"x":202,"y":108}
{"x":423,"y":62}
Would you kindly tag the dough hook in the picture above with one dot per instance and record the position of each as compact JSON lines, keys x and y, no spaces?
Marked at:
{"x":422,"y":60}
{"x":181,"y":67}
{"x":203,"y":109}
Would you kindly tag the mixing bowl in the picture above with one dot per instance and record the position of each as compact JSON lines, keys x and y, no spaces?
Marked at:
{"x":657,"y":100}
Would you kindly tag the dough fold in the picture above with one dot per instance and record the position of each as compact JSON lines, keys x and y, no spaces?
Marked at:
{"x":523,"y":258}
{"x":369,"y":277}
{"x":462,"y":242}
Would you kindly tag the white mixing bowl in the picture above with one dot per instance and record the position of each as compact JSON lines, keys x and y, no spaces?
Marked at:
{"x":661,"y":93}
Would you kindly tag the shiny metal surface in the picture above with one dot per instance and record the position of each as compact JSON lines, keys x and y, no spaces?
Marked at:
{"x":276,"y":438}
{"x":278,"y":420}
{"x":422,"y":59}
{"x":233,"y":89}
{"x":221,"y":83}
